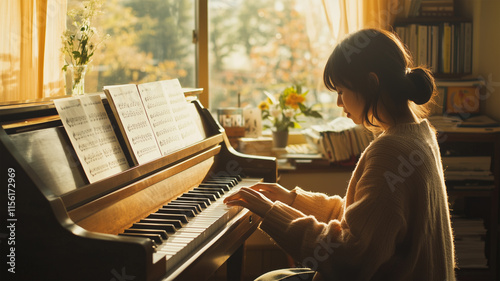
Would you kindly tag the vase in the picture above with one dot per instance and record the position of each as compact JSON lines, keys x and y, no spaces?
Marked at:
{"x":77,"y":74}
{"x":280,"y":139}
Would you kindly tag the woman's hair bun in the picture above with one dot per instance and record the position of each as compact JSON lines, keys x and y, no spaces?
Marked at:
{"x":424,"y":85}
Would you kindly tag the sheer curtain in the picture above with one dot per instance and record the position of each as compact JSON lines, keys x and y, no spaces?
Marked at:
{"x":347,"y":16}
{"x":336,"y":18}
{"x":30,"y":60}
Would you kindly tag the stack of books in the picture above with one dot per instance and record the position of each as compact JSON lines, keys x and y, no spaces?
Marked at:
{"x":339,"y":140}
{"x":469,"y":242}
{"x":437,"y":8}
{"x":468,"y":172}
{"x":428,"y":8}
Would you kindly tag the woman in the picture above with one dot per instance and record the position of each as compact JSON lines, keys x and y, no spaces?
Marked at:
{"x":394,"y":222}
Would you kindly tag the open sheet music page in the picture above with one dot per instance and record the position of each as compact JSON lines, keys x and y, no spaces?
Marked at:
{"x":103,"y":130}
{"x":86,"y":143}
{"x":161,"y":117}
{"x":133,"y":122}
{"x":180,"y":108}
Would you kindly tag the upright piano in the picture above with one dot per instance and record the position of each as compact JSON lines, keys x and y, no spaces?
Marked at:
{"x":162,"y":220}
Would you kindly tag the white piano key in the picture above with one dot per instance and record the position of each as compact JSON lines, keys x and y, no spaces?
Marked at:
{"x":193,"y":234}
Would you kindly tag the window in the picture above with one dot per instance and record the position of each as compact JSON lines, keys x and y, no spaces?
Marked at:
{"x":254,"y":46}
{"x":150,"y":40}
{"x":259,"y":45}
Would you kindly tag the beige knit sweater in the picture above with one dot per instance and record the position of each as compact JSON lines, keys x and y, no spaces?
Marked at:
{"x":393,"y":223}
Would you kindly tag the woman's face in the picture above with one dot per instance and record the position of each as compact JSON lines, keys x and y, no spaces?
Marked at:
{"x":352,"y":103}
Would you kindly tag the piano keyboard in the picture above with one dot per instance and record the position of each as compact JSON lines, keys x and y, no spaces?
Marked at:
{"x":184,"y":224}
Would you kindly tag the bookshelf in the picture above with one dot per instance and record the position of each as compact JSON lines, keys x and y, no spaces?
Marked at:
{"x":478,"y":205}
{"x":443,"y":44}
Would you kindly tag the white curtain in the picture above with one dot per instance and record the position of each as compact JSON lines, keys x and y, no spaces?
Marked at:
{"x":346,"y":16}
{"x":30,"y":60}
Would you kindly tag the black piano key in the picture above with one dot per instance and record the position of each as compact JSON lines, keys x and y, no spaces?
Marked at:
{"x":223,"y":186}
{"x":205,"y":202}
{"x":177,"y":206}
{"x":163,"y":234}
{"x":211,"y":195}
{"x":215,"y":192}
{"x":179,"y":217}
{"x":155,"y":237}
{"x":209,"y":188}
{"x":237,"y":178}
{"x":217,"y":189}
{"x":233,"y":180}
{"x":169,"y":228}
{"x":230,"y":183}
{"x":175,"y":223}
{"x":196,"y":206}
{"x":187,"y":196}
{"x":200,"y":203}
{"x":188,"y":213}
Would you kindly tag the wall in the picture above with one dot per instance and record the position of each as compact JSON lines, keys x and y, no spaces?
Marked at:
{"x":488,"y":46}
{"x":486,"y":49}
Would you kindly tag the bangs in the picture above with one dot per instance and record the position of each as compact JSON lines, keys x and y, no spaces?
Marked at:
{"x":337,"y":70}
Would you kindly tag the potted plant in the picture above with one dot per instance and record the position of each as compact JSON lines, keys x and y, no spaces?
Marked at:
{"x":80,"y":41}
{"x":283,"y":112}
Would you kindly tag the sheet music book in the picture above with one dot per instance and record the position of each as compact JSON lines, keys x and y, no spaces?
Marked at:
{"x":133,"y":122}
{"x":158,"y":109}
{"x":92,"y":136}
{"x":182,"y":111}
{"x":155,"y":118}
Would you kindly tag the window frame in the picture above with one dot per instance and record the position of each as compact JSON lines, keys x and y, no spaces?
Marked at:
{"x":200,"y":38}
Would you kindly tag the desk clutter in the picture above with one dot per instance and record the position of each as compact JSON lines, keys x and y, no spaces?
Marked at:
{"x":339,"y":140}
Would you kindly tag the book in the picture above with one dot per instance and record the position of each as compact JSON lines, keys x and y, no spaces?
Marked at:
{"x":479,"y":121}
{"x":446,"y":49}
{"x":422,"y":45}
{"x":90,"y":132}
{"x":468,"y":47}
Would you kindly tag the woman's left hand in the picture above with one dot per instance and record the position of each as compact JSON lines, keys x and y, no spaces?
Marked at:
{"x":250,"y":199}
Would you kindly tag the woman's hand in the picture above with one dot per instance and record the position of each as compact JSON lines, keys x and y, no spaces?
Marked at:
{"x":275,"y":192}
{"x":250,"y":199}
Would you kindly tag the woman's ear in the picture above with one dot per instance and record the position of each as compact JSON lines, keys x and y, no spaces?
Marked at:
{"x":373,"y":80}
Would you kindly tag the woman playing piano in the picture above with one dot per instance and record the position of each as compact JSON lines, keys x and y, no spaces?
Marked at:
{"x":393,"y":223}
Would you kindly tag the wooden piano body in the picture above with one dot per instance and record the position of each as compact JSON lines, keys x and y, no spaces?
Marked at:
{"x":63,"y":228}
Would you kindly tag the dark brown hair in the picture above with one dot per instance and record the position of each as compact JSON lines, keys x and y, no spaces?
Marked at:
{"x":380,"y":52}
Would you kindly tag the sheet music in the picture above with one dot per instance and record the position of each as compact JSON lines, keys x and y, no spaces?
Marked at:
{"x":163,"y":123}
{"x":84,"y":139}
{"x":103,"y":130}
{"x":133,"y":121}
{"x":190,"y":133}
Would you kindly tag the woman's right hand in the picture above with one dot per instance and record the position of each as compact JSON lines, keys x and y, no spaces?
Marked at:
{"x":274,"y":192}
